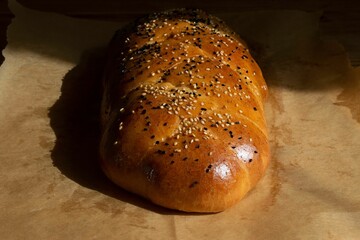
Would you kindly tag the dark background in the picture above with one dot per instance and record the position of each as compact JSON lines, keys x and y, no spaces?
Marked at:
{"x":341,"y":19}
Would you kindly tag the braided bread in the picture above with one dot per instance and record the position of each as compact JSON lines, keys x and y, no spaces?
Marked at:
{"x":182,"y":112}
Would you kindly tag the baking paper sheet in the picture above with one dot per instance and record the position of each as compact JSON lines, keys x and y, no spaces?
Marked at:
{"x":51,"y":187}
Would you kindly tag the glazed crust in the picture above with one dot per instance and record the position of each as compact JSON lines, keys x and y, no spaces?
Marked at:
{"x":182,"y":112}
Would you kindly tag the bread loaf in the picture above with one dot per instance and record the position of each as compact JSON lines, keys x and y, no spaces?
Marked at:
{"x":182,"y":112}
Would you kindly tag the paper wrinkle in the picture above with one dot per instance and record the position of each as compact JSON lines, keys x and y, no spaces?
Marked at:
{"x":52,"y":187}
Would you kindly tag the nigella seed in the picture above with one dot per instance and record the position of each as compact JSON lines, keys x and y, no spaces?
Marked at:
{"x":153,"y":136}
{"x":172,"y":162}
{"x":185,"y":158}
{"x":161,"y":151}
{"x":231,"y":134}
{"x":193,"y":184}
{"x":143,"y":111}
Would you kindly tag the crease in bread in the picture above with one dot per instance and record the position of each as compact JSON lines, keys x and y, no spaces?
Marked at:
{"x":182,"y":112}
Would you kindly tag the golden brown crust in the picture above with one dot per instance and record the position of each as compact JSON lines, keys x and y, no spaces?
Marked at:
{"x":182,"y":113}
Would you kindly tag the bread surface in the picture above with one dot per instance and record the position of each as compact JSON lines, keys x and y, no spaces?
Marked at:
{"x":182,"y":112}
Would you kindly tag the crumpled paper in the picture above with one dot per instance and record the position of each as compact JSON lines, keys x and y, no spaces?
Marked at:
{"x":52,"y":187}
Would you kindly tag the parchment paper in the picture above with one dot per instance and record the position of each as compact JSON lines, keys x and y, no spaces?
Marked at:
{"x":51,"y":187}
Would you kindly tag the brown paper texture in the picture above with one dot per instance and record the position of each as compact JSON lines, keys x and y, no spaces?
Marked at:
{"x":51,"y":187}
